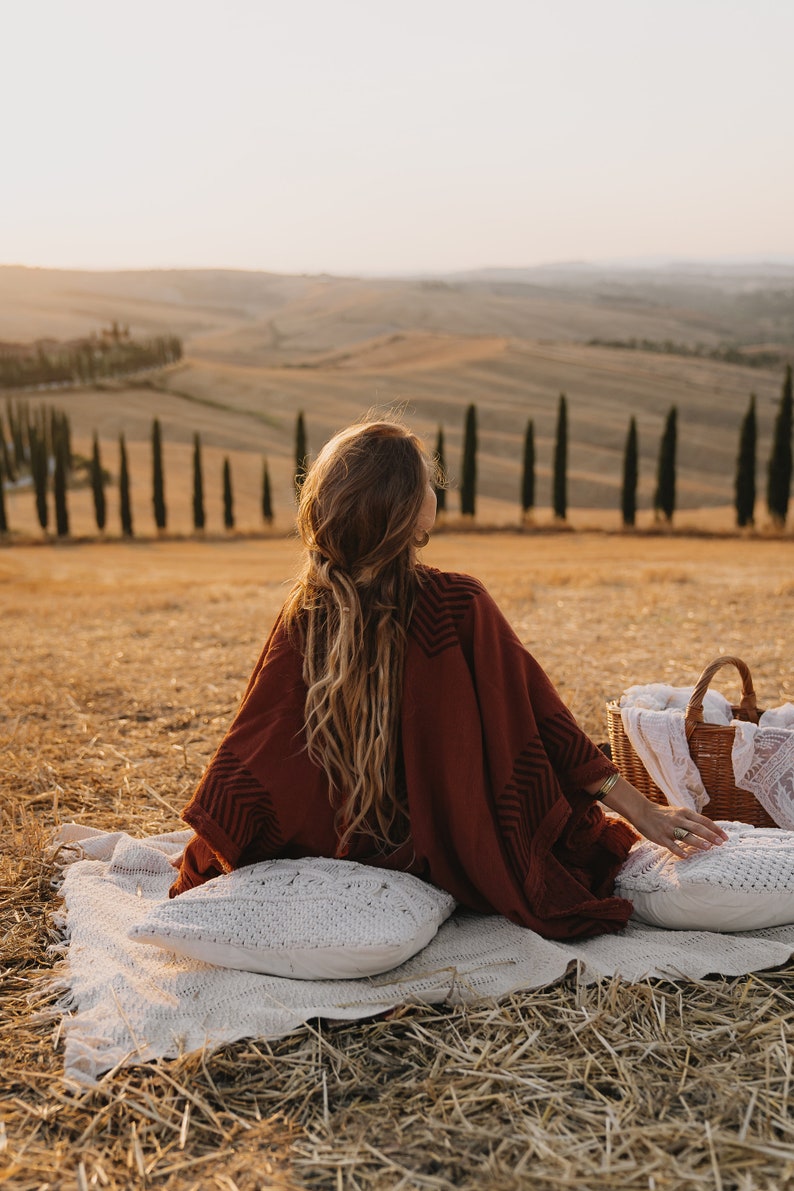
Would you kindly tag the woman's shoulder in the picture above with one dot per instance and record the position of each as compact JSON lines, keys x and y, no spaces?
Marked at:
{"x":452,"y":583}
{"x":449,"y":607}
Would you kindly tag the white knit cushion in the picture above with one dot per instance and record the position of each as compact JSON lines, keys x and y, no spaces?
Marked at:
{"x":747,"y":883}
{"x":307,"y":919}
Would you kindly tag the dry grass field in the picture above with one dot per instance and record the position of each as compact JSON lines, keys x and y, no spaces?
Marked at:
{"x":121,"y":667}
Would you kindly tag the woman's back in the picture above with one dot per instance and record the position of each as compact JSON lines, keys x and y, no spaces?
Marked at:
{"x":493,"y":765}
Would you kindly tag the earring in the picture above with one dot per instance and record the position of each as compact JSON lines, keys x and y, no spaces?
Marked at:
{"x":421,"y":538}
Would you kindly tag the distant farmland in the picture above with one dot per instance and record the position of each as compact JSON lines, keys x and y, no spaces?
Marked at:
{"x":259,"y":347}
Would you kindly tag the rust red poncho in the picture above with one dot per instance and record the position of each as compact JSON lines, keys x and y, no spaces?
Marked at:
{"x":494,"y":767}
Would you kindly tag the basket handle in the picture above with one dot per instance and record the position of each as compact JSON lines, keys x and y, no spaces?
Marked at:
{"x":748,"y":708}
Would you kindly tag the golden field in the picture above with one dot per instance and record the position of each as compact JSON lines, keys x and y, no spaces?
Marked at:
{"x":121,"y":667}
{"x":122,"y":664}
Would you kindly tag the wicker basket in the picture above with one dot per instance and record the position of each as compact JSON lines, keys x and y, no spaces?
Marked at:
{"x":710,"y":746}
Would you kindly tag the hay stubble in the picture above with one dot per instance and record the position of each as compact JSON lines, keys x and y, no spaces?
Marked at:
{"x":121,"y":667}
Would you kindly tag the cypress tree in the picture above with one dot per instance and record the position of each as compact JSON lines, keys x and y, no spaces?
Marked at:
{"x":199,"y":518}
{"x":43,"y":419}
{"x":124,"y":490}
{"x":228,"y":499}
{"x":52,"y":420}
{"x":39,"y":466}
{"x":59,"y":488}
{"x":628,"y":501}
{"x":67,"y":435}
{"x":468,"y":483}
{"x":528,"y":472}
{"x":98,"y":486}
{"x":560,"y":480}
{"x":745,"y":468}
{"x":25,"y":427}
{"x":5,"y":454}
{"x":301,"y":453}
{"x":61,"y":440}
{"x":267,"y":501}
{"x":158,"y":484}
{"x":664,"y":499}
{"x":780,"y":462}
{"x":3,"y":514}
{"x":15,"y":429}
{"x":440,"y":489}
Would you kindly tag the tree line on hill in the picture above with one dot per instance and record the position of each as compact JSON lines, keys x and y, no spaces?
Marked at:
{"x":37,"y":446}
{"x":80,"y":361}
{"x":727,"y":354}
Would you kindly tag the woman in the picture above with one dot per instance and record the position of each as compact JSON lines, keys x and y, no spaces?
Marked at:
{"x":394,"y":718}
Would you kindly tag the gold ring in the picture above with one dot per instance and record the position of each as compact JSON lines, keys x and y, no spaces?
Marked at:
{"x":680,"y":832}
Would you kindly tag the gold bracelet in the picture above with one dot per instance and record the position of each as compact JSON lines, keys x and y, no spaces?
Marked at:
{"x":607,"y":785}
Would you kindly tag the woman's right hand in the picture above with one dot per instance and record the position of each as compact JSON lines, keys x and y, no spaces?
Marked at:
{"x":675,"y":827}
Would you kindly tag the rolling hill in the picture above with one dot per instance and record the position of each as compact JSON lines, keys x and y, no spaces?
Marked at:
{"x":259,"y":347}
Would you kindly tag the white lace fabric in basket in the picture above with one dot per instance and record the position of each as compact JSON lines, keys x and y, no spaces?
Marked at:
{"x":763,"y":763}
{"x":654,"y":719}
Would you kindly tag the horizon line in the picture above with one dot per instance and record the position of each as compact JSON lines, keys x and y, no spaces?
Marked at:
{"x":774,"y":259}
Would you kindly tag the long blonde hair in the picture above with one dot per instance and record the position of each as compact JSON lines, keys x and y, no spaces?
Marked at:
{"x":351,"y":607}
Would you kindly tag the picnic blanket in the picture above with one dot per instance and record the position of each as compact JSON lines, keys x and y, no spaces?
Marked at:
{"x":125,"y":1002}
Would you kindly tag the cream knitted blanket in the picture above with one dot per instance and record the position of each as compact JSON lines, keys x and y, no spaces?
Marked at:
{"x":125,"y":1003}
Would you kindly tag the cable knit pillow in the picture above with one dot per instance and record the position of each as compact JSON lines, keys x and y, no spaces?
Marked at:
{"x":747,"y":883}
{"x":306,"y":919}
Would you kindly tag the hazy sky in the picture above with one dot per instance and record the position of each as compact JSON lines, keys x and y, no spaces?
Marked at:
{"x":364,"y":136}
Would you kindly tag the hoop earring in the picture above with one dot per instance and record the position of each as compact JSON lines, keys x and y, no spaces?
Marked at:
{"x":421,"y":538}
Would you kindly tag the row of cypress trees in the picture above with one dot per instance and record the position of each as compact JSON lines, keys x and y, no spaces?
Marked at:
{"x":51,"y":456}
{"x":99,"y":480}
{"x":779,"y":467}
{"x":41,"y":442}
